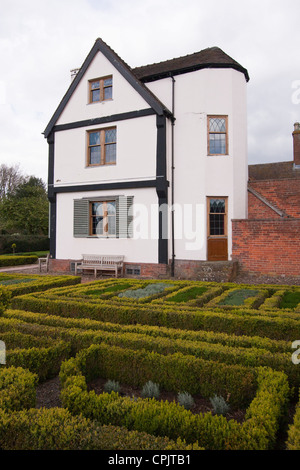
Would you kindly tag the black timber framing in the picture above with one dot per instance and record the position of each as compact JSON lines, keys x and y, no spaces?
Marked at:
{"x":156,"y":108}
{"x":123,"y":69}
{"x":160,"y":183}
{"x":162,"y":188}
{"x":105,"y":119}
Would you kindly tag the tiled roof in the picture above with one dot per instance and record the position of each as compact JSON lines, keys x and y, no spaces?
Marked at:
{"x":212,"y":57}
{"x":273,"y":171}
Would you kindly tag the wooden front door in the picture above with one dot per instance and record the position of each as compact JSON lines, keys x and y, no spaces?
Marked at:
{"x":217,"y":242}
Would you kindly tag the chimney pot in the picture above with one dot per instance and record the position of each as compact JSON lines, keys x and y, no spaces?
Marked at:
{"x":74,"y":72}
{"x":297,"y":126}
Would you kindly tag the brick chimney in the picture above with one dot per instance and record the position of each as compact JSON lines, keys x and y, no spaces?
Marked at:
{"x":296,"y":138}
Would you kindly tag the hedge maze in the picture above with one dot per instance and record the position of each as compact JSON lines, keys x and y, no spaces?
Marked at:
{"x":206,"y":340}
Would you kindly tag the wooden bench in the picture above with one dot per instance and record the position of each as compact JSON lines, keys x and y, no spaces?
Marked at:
{"x":100,"y":263}
{"x":44,"y":261}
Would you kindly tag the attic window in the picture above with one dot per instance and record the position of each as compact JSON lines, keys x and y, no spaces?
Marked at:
{"x":100,"y":89}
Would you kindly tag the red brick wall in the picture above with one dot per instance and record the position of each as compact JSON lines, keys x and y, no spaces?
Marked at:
{"x":59,"y":265}
{"x":283,"y":194}
{"x":267,"y":246}
{"x":258,"y":210}
{"x":150,"y":270}
{"x":147,"y":269}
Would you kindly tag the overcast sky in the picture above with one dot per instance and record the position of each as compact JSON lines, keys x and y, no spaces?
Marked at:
{"x":42,"y":40}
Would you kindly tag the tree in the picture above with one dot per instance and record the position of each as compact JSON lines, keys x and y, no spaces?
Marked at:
{"x":25,"y":209}
{"x":10,"y":179}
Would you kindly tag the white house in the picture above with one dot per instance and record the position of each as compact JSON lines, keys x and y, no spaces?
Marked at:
{"x":149,"y":163}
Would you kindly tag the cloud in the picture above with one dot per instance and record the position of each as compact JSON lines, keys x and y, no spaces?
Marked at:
{"x":42,"y":40}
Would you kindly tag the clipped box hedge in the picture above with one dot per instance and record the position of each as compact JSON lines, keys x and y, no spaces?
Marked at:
{"x":58,"y":429}
{"x":227,"y":349}
{"x":20,"y":284}
{"x":174,"y":372}
{"x":38,"y":323}
{"x":40,"y":355}
{"x":17,"y":389}
{"x":293,"y":440}
{"x":242,"y":322}
{"x":160,"y":418}
{"x":17,"y":260}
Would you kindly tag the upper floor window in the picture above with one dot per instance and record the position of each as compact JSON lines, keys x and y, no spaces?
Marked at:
{"x":102,"y":144}
{"x":100,"y":89}
{"x":217,"y":135}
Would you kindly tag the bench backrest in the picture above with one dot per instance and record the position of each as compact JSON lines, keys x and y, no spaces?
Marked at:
{"x":102,"y":259}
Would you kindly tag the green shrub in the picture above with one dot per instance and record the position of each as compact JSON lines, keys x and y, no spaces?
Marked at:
{"x":206,"y":345}
{"x":43,"y":361}
{"x":174,"y":372}
{"x":267,"y":409}
{"x":17,"y":260}
{"x":172,"y":420}
{"x":24,"y":243}
{"x":150,"y":390}
{"x":186,"y":400}
{"x":293,"y":440}
{"x":220,"y":406}
{"x":5,"y":298}
{"x":40,"y":355}
{"x":280,"y":326}
{"x":290,"y":300}
{"x":186,"y":294}
{"x":112,"y":386}
{"x":238,"y":296}
{"x":20,"y":284}
{"x":17,"y":388}
{"x":58,"y":429}
{"x":148,"y":291}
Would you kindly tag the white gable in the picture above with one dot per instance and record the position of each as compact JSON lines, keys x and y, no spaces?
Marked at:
{"x":125,"y":97}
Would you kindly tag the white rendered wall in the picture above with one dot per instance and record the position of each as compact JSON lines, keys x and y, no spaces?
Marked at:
{"x":136,"y":154}
{"x":197,"y":175}
{"x":125,"y":98}
{"x":142,"y":248}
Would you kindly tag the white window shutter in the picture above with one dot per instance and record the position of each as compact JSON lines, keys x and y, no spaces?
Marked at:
{"x":81,"y":218}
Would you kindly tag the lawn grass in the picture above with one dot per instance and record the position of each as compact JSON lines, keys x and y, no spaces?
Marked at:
{"x":290,"y":300}
{"x":187,"y":295}
{"x":113,"y":288}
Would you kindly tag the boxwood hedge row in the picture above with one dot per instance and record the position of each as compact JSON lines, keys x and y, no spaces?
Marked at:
{"x":170,"y":419}
{"x":206,"y":346}
{"x":248,"y":322}
{"x":17,"y":389}
{"x":58,"y":429}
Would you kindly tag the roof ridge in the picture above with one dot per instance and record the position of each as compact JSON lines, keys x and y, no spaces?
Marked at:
{"x":178,"y":57}
{"x":210,"y":57}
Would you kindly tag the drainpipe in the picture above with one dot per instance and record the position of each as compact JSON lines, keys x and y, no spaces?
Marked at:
{"x":172,"y":179}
